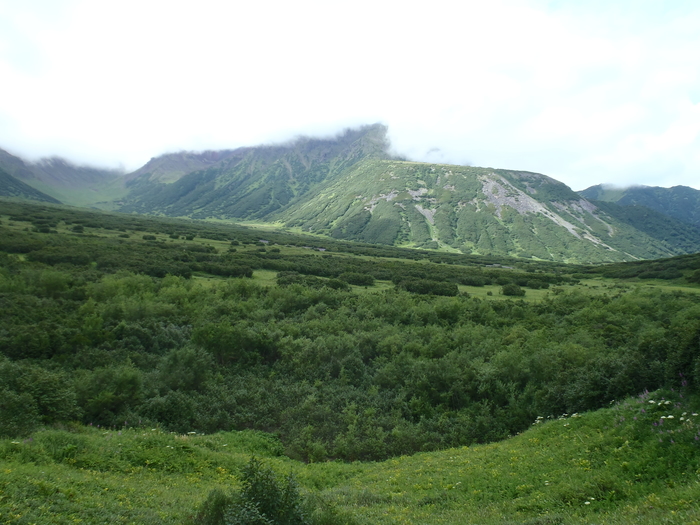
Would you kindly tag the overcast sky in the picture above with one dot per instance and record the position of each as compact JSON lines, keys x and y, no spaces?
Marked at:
{"x":586,"y":92}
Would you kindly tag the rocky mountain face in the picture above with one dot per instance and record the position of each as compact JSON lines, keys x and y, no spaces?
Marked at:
{"x":351,"y":187}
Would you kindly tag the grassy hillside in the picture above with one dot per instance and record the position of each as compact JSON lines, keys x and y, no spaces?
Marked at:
{"x":350,"y":187}
{"x":636,"y":462}
{"x":254,"y":182}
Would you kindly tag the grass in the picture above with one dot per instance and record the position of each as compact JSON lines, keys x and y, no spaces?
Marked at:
{"x":635,"y":462}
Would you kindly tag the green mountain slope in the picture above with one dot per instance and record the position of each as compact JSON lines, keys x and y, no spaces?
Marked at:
{"x":679,"y":202}
{"x":64,"y":181}
{"x":350,"y":188}
{"x":11,"y":187}
{"x":173,"y":166}
{"x":658,"y":225}
{"x":473,"y":210}
{"x":251,"y":183}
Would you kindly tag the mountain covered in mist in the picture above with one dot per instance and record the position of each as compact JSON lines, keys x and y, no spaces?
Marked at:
{"x":351,"y":187}
{"x":65,"y":181}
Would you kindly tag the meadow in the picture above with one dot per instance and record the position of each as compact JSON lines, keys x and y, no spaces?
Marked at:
{"x":634,"y":462}
{"x":144,"y":361}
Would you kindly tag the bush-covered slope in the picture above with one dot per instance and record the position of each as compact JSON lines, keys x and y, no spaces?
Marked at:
{"x":128,"y":395}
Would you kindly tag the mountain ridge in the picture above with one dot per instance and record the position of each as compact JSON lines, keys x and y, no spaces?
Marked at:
{"x":680,"y":202}
{"x":351,"y":187}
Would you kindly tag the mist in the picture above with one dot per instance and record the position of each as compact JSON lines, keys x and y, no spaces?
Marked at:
{"x":584,"y":94}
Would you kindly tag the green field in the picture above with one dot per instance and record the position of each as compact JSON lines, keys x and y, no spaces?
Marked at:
{"x":144,"y":361}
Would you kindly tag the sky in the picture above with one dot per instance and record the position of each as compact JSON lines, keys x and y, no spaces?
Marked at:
{"x":585,"y":92}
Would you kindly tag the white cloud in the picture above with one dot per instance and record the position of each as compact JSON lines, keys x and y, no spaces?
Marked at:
{"x":606,"y":93}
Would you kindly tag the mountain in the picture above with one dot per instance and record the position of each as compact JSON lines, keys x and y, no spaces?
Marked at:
{"x":65,"y":181}
{"x":474,"y":210}
{"x":173,"y":166}
{"x":351,"y":187}
{"x":658,"y":225}
{"x":12,"y":187}
{"x":679,"y":202}
{"x":252,"y":183}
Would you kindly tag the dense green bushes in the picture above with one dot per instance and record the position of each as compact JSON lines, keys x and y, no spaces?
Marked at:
{"x":333,"y":373}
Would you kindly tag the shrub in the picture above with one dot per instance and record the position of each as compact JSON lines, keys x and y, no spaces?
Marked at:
{"x":424,"y":286}
{"x":358,"y":279}
{"x":263,"y":500}
{"x":512,"y":289}
{"x":18,"y":413}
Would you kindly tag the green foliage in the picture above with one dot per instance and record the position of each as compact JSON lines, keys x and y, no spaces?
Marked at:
{"x":358,"y":279}
{"x":607,"y":466}
{"x":262,"y":500}
{"x":107,"y":393}
{"x":512,"y":289}
{"x":32,"y":396}
{"x":425,"y":286}
{"x":335,"y":374}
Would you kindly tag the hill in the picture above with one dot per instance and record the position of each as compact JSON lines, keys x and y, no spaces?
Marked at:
{"x":477,"y":210}
{"x":607,"y":466}
{"x":251,"y":183}
{"x":11,"y":187}
{"x":679,"y":202}
{"x":64,"y":181}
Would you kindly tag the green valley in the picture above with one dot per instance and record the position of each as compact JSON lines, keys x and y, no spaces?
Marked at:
{"x":145,"y":360}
